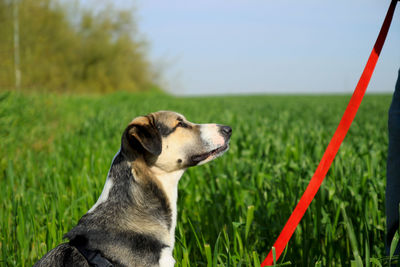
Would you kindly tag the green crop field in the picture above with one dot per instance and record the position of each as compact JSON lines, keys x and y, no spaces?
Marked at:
{"x":56,"y":151}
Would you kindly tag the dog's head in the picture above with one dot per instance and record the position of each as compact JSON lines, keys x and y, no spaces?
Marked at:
{"x":168,"y":141}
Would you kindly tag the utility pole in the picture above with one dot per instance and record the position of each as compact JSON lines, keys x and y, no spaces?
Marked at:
{"x":16,"y":47}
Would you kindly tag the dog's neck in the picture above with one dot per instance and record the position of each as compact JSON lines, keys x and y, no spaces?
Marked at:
{"x":169,"y":182}
{"x":153,"y":222}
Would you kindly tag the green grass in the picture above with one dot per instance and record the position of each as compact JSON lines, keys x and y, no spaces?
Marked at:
{"x":56,"y":151}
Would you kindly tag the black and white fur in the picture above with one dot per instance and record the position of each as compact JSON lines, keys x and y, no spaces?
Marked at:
{"x":133,"y":221}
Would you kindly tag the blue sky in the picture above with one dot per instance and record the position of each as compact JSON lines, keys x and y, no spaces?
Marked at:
{"x":262,"y":46}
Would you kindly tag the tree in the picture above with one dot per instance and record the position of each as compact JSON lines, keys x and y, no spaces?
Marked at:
{"x":74,"y":51}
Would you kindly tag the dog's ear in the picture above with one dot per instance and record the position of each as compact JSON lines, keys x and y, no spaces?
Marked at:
{"x":144,"y":131}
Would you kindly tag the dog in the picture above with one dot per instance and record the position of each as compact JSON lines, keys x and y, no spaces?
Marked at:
{"x":133,"y":221}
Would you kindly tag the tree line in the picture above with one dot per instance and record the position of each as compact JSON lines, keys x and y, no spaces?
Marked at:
{"x":59,"y":46}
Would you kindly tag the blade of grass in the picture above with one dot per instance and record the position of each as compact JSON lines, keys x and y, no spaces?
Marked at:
{"x":393,"y":246}
{"x":249,"y":220}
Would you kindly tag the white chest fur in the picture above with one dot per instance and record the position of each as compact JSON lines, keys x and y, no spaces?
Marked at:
{"x":169,"y":182}
{"x":166,"y":259}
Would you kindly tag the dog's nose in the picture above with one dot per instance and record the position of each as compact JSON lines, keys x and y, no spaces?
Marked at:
{"x":226,"y":131}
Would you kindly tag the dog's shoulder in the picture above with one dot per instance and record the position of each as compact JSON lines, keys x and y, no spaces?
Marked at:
{"x":62,"y":256}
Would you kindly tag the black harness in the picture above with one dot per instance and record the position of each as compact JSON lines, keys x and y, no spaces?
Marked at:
{"x":94,"y":258}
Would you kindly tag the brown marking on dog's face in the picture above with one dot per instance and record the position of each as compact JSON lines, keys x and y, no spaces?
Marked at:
{"x":170,"y":142}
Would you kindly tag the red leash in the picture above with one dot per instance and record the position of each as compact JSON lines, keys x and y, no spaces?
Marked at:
{"x":335,"y":143}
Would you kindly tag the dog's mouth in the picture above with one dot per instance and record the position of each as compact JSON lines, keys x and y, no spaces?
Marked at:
{"x":213,"y":153}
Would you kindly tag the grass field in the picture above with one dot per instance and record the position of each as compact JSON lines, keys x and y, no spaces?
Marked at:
{"x":56,"y":151}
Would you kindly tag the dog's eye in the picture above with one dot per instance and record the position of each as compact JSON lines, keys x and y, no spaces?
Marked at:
{"x":182,"y":124}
